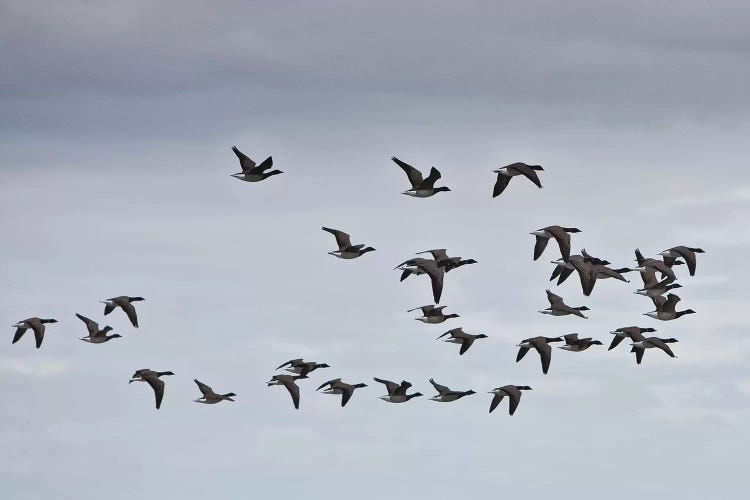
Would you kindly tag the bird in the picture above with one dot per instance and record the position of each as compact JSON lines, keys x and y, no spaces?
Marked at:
{"x":153,"y":379}
{"x":447,"y":395}
{"x":336,"y":386}
{"x":126,"y":303}
{"x":420,"y":188}
{"x":665,"y":308}
{"x":687,"y":253}
{"x":574,"y":344}
{"x":514,"y":394}
{"x":657,"y":288}
{"x":430,"y":268}
{"x":634,"y":333}
{"x":541,"y":344}
{"x":209,"y":396}
{"x":561,"y":235}
{"x":288,"y":381}
{"x":35,"y":324}
{"x":346,"y":249}
{"x":559,"y":308}
{"x":588,"y":272}
{"x":396,"y":392}
{"x":433,"y":315}
{"x":96,"y":336}
{"x":251,"y":172}
{"x":458,"y":336}
{"x":654,"y":265}
{"x":440,"y":256}
{"x":301,"y":367}
{"x":640,"y":347}
{"x":504,"y":175}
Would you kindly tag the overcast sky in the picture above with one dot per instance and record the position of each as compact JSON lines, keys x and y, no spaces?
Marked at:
{"x":117,"y":120}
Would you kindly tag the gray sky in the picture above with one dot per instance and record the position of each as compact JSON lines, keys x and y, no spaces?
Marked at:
{"x":117,"y":122}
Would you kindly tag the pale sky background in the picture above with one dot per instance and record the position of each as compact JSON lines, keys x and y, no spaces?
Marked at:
{"x":117,"y":120}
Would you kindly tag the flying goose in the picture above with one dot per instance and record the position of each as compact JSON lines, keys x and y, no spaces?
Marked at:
{"x":125,"y":303}
{"x":420,"y":188}
{"x":251,"y":172}
{"x":504,"y":174}
{"x":430,"y":268}
{"x":152,"y":378}
{"x":559,"y":308}
{"x":458,"y":336}
{"x":290,"y":382}
{"x":541,"y":344}
{"x":35,"y":324}
{"x":687,"y":253}
{"x":448,"y":263}
{"x":640,"y":347}
{"x":633,"y":333}
{"x":396,"y":392}
{"x":561,"y":235}
{"x":514,"y":394}
{"x":654,"y":265}
{"x":209,"y":396}
{"x":446,"y":395}
{"x":665,"y":308}
{"x":574,"y":344}
{"x":657,"y":288}
{"x":301,"y":367}
{"x":588,"y":272}
{"x":336,"y":386}
{"x":433,"y":315}
{"x":346,"y":249}
{"x":564,"y":269}
{"x":96,"y":336}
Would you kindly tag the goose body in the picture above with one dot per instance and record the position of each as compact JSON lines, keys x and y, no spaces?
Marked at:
{"x":209,"y":396}
{"x":126,"y":304}
{"x":96,"y":335}
{"x":420,"y":187}
{"x":506,"y":173}
{"x":666,"y":308}
{"x":346,"y":249}
{"x":542,"y":346}
{"x":513,"y":392}
{"x":336,"y":386}
{"x":36,"y":325}
{"x":433,"y":315}
{"x":639,"y":347}
{"x":559,"y":233}
{"x":559,"y":308}
{"x":458,"y":336}
{"x":574,"y":344}
{"x":252,"y":172}
{"x":687,"y":253}
{"x":633,"y":333}
{"x":301,"y":367}
{"x":153,"y":379}
{"x":447,"y":395}
{"x":397,"y":392}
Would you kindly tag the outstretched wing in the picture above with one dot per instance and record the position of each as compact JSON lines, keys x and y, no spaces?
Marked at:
{"x":246,"y":163}
{"x":431,"y":179}
{"x":293,"y":391}
{"x":414,"y":175}
{"x":91,"y":325}
{"x":158,"y":386}
{"x":500,"y":184}
{"x":440,"y":388}
{"x":528,"y":171}
{"x":539,"y":246}
{"x":205,"y":389}
{"x":496,"y":401}
{"x":554,"y":300}
{"x":391,"y":387}
{"x":342,"y":238}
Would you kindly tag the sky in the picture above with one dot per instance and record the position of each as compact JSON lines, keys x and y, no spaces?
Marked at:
{"x":116,"y":127}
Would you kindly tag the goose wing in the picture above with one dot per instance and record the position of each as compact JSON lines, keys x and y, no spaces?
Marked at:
{"x":91,"y":325}
{"x":466,"y":342}
{"x":563,"y":240}
{"x":342,"y":238}
{"x":158,"y":386}
{"x":545,"y":353}
{"x":436,"y":277}
{"x":440,"y":388}
{"x":515,"y":397}
{"x":539,"y":246}
{"x":527,"y":171}
{"x":497,"y":398}
{"x":414,"y":175}
{"x":686,"y":254}
{"x":656,"y":342}
{"x":391,"y":387}
{"x":346,"y":394}
{"x":431,"y":179}
{"x":246,"y":163}
{"x":205,"y":389}
{"x":264,"y":165}
{"x":554,"y":300}
{"x":129,"y":309}
{"x":293,"y":389}
{"x":500,"y":184}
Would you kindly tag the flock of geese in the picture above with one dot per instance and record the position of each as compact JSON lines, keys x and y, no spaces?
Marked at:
{"x":588,"y":268}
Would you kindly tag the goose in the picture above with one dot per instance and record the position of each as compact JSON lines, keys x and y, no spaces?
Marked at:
{"x":301,"y":367}
{"x":458,"y":336}
{"x":514,"y":394}
{"x":446,"y":395}
{"x":152,"y":378}
{"x":640,"y":347}
{"x":563,"y":269}
{"x":290,"y":382}
{"x":574,"y":344}
{"x":410,"y":266}
{"x":251,"y":172}
{"x":654,"y":265}
{"x":588,"y":272}
{"x":504,"y":175}
{"x":665,"y":308}
{"x":440,"y":256}
{"x":594,"y":260}
{"x":430,"y":268}
{"x":561,"y":235}
{"x":336,"y":386}
{"x":96,"y":336}
{"x":420,"y":188}
{"x":396,"y":392}
{"x":559,"y":308}
{"x":35,"y":324}
{"x":433,"y":315}
{"x":209,"y":396}
{"x":346,"y":249}
{"x":687,"y":253}
{"x":541,"y":344}
{"x":125,"y":303}
{"x":657,"y":289}
{"x":634,"y":333}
